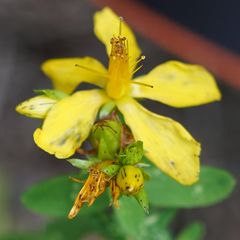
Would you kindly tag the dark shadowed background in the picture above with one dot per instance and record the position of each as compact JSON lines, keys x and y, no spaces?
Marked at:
{"x":33,"y":31}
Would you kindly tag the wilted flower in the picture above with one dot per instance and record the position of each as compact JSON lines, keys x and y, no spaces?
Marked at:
{"x":94,"y":186}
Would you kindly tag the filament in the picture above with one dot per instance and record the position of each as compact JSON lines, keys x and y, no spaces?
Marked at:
{"x":143,"y":84}
{"x":135,"y":64}
{"x":137,"y":69}
{"x":120,"y":25}
{"x":91,"y":70}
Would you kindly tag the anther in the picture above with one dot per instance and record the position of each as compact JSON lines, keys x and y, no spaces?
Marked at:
{"x":140,"y":59}
{"x":135,"y":64}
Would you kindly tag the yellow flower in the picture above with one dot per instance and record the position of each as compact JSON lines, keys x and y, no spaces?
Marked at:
{"x":167,"y":143}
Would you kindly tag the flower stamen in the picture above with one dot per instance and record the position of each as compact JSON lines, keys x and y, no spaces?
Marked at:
{"x":120,"y":25}
{"x":137,"y":69}
{"x":91,"y":70}
{"x":118,"y":70}
{"x":133,"y":67}
{"x":142,"y":84}
{"x":140,"y":59}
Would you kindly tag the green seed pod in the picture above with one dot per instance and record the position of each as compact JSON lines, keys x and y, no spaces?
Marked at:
{"x":106,"y":136}
{"x":132,"y":154}
{"x":142,"y":199}
{"x":130,"y":180}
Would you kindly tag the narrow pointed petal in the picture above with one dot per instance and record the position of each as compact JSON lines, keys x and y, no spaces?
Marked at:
{"x":167,"y":144}
{"x":36,"y":107}
{"x":106,"y":25}
{"x":178,"y":85}
{"x":68,"y":123}
{"x":67,"y":73}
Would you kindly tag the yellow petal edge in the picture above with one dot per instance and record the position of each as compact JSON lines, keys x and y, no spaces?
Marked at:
{"x":168,"y":145}
{"x":178,"y":85}
{"x":67,"y":73}
{"x":106,"y":25}
{"x":36,"y":107}
{"x":68,"y":123}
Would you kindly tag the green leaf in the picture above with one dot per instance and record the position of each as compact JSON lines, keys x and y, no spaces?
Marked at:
{"x":165,"y":217}
{"x":157,"y":225}
{"x":80,"y":163}
{"x":213,"y":186}
{"x":56,"y":196}
{"x":51,"y":93}
{"x":101,"y":225}
{"x":19,"y":236}
{"x":156,"y":233}
{"x":142,"y":199}
{"x":151,"y":227}
{"x":73,"y":229}
{"x":194,"y":231}
{"x":130,"y":217}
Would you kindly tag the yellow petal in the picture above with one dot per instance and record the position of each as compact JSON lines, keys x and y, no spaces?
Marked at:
{"x":66,"y":76}
{"x":178,"y":85}
{"x":68,"y":123}
{"x":106,"y":25}
{"x":36,"y":107}
{"x":167,"y":144}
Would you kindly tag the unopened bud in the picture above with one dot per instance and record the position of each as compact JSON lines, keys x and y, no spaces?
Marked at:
{"x":132,"y":154}
{"x":130,"y":180}
{"x":105,"y":137}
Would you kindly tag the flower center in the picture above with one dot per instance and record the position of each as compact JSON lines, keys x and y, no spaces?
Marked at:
{"x":119,"y":74}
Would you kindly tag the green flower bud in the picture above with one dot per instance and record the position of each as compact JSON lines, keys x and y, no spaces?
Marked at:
{"x":106,"y":137}
{"x":111,"y":170}
{"x":130,"y":180}
{"x":132,"y":154}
